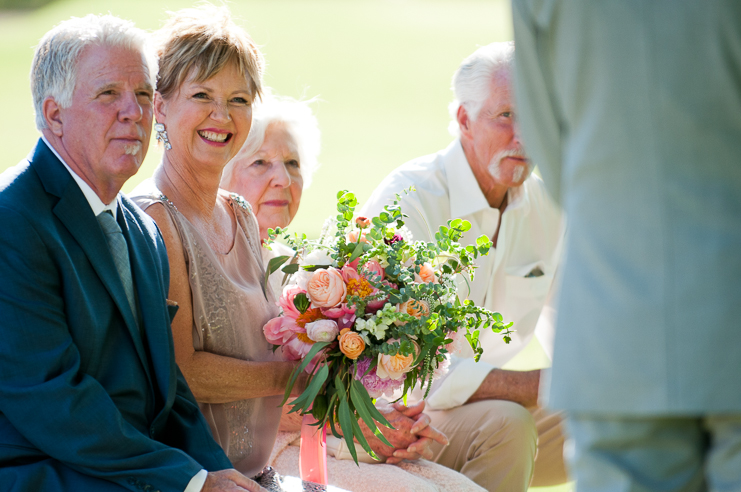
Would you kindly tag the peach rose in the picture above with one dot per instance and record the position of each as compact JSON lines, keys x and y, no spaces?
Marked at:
{"x":351,"y":344}
{"x":413,"y":307}
{"x":326,"y":288}
{"x":394,"y":366}
{"x":426,"y":274}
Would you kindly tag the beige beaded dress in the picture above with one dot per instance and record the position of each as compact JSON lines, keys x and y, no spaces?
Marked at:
{"x":231,"y":304}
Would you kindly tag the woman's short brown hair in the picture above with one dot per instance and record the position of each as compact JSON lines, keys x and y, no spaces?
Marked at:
{"x":199,"y":42}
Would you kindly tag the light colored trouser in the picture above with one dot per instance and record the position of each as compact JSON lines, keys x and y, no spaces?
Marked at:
{"x":620,"y":454}
{"x":494,"y":443}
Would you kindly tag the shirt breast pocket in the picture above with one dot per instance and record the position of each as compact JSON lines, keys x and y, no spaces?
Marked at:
{"x":525,"y":297}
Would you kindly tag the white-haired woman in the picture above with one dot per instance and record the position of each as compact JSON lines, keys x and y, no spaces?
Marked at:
{"x":270,"y":171}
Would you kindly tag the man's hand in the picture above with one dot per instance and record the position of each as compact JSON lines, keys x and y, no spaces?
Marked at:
{"x":412,"y":436}
{"x":230,"y":481}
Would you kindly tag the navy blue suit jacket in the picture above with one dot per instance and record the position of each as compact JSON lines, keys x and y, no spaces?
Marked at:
{"x":89,"y":398}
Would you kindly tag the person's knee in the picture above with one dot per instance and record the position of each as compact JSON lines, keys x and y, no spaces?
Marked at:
{"x":505,"y":424}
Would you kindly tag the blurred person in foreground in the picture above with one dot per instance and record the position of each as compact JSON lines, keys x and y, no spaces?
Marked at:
{"x":275,"y":163}
{"x":484,"y":176}
{"x":90,"y":396}
{"x":633,"y":111}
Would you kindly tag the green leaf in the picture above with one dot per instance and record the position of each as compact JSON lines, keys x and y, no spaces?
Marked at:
{"x":361,"y":439}
{"x":375,"y":414}
{"x":307,"y":397}
{"x":356,"y":252}
{"x":345,"y":418}
{"x":314,"y":350}
{"x":274,"y":264}
{"x":290,"y":269}
{"x":319,"y":408}
{"x":361,"y":405}
{"x":302,"y":303}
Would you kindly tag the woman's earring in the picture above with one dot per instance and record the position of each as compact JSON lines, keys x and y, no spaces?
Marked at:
{"x":162,"y":135}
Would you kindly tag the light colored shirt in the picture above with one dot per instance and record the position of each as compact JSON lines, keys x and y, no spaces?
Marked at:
{"x":516,"y":276}
{"x":96,"y":204}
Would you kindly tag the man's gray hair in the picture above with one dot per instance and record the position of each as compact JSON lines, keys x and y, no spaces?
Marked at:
{"x":472,"y":81}
{"x":301,"y":124}
{"x":54,"y":68}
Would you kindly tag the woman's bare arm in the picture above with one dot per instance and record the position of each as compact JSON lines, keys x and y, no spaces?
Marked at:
{"x":212,"y":378}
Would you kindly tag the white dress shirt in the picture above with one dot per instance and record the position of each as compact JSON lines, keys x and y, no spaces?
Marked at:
{"x":514,"y":279}
{"x":96,"y":204}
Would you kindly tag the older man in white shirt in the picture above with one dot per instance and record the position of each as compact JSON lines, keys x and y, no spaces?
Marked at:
{"x":490,"y":415}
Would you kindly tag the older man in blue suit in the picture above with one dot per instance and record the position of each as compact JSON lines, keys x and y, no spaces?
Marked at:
{"x":90,"y":396}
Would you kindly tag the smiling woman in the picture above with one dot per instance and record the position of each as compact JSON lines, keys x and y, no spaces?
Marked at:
{"x":210,"y":74}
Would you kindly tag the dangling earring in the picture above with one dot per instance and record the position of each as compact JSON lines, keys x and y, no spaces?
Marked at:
{"x":162,"y":135}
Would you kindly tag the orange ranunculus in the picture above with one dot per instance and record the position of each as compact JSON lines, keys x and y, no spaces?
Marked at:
{"x":394,"y":366}
{"x":351,"y":344}
{"x":413,"y":307}
{"x":326,"y":288}
{"x":363,"y":222}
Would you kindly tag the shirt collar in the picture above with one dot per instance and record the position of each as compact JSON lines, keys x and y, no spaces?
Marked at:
{"x":96,"y":204}
{"x":466,"y":197}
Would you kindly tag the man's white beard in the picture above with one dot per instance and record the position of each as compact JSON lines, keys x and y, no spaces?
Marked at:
{"x":519,"y":173}
{"x":132,"y":149}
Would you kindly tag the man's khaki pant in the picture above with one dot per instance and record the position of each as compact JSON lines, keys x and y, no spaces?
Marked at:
{"x":501,"y":445}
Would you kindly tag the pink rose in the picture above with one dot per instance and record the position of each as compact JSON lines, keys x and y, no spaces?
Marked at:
{"x":286,"y":300}
{"x":338,"y":311}
{"x":373,"y":270}
{"x":297,"y":348}
{"x":326,"y":287}
{"x":374,"y":306}
{"x":323,"y":330}
{"x":346,"y":320}
{"x":426,"y":275}
{"x":280,"y":330}
{"x":350,"y":273}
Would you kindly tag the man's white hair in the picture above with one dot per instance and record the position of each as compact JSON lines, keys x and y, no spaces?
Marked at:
{"x":472,"y":81}
{"x":54,"y":68}
{"x":300,"y":123}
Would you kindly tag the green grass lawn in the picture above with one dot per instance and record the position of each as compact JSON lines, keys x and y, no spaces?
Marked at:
{"x":381,"y":69}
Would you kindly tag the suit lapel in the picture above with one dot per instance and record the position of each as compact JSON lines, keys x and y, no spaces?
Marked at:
{"x":74,"y":211}
{"x":154,"y":317}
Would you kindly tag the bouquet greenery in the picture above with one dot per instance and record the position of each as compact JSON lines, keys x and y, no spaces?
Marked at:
{"x":370,"y":312}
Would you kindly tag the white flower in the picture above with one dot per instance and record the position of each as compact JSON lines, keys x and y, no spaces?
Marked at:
{"x":319,"y":256}
{"x":405,"y":233}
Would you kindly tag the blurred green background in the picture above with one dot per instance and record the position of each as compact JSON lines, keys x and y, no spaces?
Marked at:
{"x":381,"y":69}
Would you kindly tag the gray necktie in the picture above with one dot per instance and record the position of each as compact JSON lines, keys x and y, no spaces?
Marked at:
{"x":120,"y":252}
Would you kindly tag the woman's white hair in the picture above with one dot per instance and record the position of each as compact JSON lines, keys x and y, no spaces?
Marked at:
{"x":54,"y":68}
{"x":300,"y":123}
{"x":472,"y":81}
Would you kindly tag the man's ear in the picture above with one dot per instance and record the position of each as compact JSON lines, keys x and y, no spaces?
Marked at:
{"x":463,"y":120}
{"x":53,"y":116}
{"x":160,"y":108}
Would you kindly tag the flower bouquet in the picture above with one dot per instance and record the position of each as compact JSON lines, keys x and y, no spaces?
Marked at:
{"x":370,"y":312}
